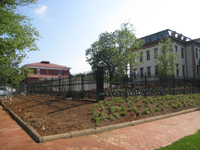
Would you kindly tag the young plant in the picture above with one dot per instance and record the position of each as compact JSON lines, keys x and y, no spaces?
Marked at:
{"x":123,"y":113}
{"x":117,"y":115}
{"x":139,"y":105}
{"x":166,"y":106}
{"x":157,"y":109}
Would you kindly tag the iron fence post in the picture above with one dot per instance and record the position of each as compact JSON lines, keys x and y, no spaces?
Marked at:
{"x":174,"y":86}
{"x":126,"y":83}
{"x":82,"y":86}
{"x":59,"y":84}
{"x":161,"y":82}
{"x":193,"y":83}
{"x":70,"y":84}
{"x":184,"y":83}
{"x":27,"y":85}
{"x":145,"y":84}
{"x":100,"y":83}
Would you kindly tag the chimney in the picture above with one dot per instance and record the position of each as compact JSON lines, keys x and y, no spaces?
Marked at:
{"x":45,"y":62}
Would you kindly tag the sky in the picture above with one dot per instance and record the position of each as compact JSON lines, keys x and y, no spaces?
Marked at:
{"x":69,"y":27}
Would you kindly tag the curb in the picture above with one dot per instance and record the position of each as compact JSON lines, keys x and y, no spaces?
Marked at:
{"x":37,"y":138}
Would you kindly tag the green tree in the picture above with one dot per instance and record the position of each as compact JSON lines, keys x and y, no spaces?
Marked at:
{"x":165,"y":61}
{"x":115,"y":50}
{"x":101,"y":52}
{"x":17,"y":37}
{"x":126,"y":46}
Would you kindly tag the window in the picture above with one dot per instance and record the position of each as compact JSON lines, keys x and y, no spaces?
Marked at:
{"x":197,"y":71}
{"x":135,"y":73}
{"x":148,"y":71}
{"x":177,"y":70}
{"x":148,"y":55}
{"x":38,"y":71}
{"x":141,"y":56}
{"x":183,"y":70}
{"x":155,"y":53}
{"x":182,"y":52}
{"x":156,"y":71}
{"x":196,"y":53}
{"x":176,"y":49}
{"x":141,"y":72}
{"x":59,"y":72}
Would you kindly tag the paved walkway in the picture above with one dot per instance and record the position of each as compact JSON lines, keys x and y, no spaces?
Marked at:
{"x":145,"y":136}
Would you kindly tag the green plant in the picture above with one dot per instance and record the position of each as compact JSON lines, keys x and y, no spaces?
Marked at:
{"x":157,"y":109}
{"x":130,"y":104}
{"x":117,"y":115}
{"x":166,"y":106}
{"x":127,"y":99}
{"x":113,"y":118}
{"x":146,"y":105}
{"x":100,"y":113}
{"x":138,"y":112}
{"x":105,"y":117}
{"x":112,"y":109}
{"x":162,"y":109}
{"x":123,"y":113}
{"x":123,"y":108}
{"x":146,"y":110}
{"x":139,"y":105}
{"x":131,"y":109}
{"x":117,"y":109}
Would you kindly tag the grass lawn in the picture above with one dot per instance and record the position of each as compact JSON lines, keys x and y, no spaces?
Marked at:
{"x":191,"y":142}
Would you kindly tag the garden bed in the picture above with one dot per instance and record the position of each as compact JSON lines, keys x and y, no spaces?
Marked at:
{"x":53,"y":115}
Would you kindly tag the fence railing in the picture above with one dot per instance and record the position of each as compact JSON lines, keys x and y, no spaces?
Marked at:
{"x":97,"y":86}
{"x":126,"y":85}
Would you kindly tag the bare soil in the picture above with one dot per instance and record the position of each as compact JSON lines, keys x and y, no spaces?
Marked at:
{"x":59,"y":115}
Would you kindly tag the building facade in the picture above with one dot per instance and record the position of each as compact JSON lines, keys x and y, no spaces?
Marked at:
{"x":46,"y":70}
{"x":187,"y":63}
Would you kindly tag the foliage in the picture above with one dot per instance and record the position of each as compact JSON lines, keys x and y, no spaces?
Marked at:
{"x":17,"y":36}
{"x":126,"y":43}
{"x":114,"y":50}
{"x":165,"y":59}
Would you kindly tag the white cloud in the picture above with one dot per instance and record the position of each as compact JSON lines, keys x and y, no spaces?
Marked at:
{"x":41,"y":10}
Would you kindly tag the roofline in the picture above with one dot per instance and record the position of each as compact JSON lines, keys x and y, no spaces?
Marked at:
{"x":155,"y":33}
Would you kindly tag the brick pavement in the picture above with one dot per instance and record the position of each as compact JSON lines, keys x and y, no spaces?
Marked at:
{"x":145,"y":136}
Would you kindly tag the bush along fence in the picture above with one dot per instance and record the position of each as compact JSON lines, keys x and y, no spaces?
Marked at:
{"x":98,"y":86}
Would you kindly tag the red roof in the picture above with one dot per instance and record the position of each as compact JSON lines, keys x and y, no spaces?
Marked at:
{"x":45,"y":76}
{"x":46,"y":64}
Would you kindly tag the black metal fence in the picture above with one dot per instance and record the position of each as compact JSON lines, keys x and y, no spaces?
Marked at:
{"x":77,"y":86}
{"x":97,"y":86}
{"x":129,"y":85}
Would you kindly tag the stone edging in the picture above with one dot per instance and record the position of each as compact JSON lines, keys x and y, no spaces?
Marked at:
{"x":40,"y":139}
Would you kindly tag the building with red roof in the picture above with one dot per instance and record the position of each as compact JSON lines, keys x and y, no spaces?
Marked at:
{"x":46,"y":70}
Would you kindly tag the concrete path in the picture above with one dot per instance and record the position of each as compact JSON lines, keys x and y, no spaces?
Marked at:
{"x":145,"y":136}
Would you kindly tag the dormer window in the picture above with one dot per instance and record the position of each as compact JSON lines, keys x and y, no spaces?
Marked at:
{"x":148,"y":39}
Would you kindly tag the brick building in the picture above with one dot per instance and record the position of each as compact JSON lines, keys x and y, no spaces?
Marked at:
{"x":46,"y":70}
{"x":188,"y":50}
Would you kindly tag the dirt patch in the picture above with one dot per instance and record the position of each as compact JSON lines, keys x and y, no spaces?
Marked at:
{"x":54,"y":115}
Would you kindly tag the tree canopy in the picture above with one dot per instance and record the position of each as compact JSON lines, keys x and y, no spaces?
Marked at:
{"x":165,"y":61}
{"x":115,"y":50}
{"x":17,"y":37}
